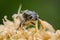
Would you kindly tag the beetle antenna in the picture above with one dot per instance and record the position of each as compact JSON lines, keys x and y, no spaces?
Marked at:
{"x":19,"y":10}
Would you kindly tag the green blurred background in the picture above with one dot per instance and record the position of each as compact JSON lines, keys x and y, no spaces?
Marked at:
{"x":48,"y":10}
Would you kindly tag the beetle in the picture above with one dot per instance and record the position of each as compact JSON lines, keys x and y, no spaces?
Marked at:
{"x":30,"y":18}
